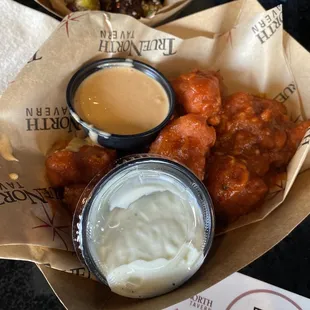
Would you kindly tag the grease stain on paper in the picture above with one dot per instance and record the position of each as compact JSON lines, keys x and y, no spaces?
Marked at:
{"x":6,"y":149}
{"x":13,"y":176}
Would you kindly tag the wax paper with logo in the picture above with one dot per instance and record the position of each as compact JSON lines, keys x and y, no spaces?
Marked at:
{"x":250,"y":57}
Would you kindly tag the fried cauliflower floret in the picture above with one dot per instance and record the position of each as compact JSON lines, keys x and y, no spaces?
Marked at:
{"x":187,"y":140}
{"x":65,"y":167}
{"x":258,"y":130}
{"x":62,"y":169}
{"x":72,"y":194}
{"x":234,"y":189}
{"x":199,"y":93}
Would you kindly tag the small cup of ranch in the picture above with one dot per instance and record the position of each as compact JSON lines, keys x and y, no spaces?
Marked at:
{"x":145,"y":228}
{"x":120,"y":103}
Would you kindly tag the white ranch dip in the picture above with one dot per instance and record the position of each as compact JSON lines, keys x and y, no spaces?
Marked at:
{"x":145,"y":233}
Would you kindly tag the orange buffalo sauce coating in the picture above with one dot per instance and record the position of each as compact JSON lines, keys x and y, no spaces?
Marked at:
{"x":74,"y":170}
{"x":258,"y":130}
{"x":255,"y":142}
{"x":66,"y":167}
{"x":242,"y":159}
{"x":188,"y":140}
{"x":235,"y":190}
{"x":199,"y":93}
{"x":72,"y":194}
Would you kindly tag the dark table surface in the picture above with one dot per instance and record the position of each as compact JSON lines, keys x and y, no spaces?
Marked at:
{"x":287,"y":265}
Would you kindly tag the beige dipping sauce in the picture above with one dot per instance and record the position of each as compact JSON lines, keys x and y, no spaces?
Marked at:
{"x":121,"y":100}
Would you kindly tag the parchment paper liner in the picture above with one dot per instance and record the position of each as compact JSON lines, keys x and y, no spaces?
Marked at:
{"x":233,"y":250}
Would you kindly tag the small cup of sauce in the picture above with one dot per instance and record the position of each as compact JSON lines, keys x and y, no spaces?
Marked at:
{"x":120,"y":103}
{"x":145,"y":228}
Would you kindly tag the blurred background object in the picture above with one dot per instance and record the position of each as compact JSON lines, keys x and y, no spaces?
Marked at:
{"x":296,"y":14}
